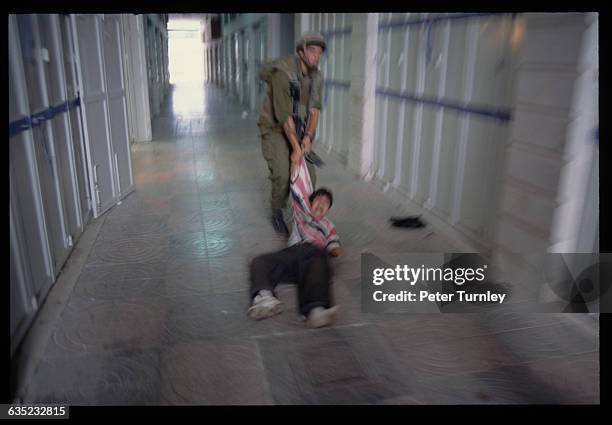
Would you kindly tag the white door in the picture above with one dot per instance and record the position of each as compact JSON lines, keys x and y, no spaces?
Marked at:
{"x":117,"y":104}
{"x":103,"y":106}
{"x":74,"y":116}
{"x":37,"y":58}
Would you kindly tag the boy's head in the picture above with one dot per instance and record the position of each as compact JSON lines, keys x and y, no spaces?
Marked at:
{"x":321,"y":201}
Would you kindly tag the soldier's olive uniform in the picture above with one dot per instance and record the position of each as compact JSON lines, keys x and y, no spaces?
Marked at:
{"x":276,"y":107}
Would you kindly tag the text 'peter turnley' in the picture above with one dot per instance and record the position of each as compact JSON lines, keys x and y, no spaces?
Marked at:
{"x":422,"y":274}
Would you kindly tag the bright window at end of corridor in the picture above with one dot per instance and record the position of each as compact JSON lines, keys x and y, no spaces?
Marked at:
{"x":185,"y":51}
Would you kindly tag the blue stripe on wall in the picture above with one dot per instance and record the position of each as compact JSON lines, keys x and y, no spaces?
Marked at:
{"x":32,"y":121}
{"x":439,"y":19}
{"x":496,"y":113}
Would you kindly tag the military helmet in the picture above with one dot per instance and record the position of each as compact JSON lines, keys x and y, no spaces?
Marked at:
{"x":310,"y":38}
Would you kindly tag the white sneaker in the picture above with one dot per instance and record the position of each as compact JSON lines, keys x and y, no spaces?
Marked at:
{"x":264,"y":305}
{"x":319,"y":316}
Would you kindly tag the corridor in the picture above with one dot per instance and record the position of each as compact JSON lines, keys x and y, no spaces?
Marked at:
{"x":157,"y":313}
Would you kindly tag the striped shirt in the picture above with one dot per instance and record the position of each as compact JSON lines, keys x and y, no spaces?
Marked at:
{"x":306,"y":228}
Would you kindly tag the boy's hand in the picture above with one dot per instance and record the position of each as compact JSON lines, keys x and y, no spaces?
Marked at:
{"x":296,"y":155}
{"x":337,"y":252}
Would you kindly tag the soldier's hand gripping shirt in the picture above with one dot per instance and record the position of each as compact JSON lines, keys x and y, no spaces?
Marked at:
{"x":306,"y":228}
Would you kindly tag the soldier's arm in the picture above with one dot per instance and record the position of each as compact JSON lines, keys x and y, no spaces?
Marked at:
{"x":315,"y":109}
{"x":311,"y":128}
{"x":313,"y":120}
{"x":289,"y":129}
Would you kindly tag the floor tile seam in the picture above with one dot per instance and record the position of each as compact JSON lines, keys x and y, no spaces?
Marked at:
{"x":555,"y":357}
{"x":520,"y":361}
{"x":163,"y":341}
{"x":114,"y":222}
{"x":201,"y":215}
{"x":307,"y":331}
{"x":128,"y":279}
{"x":162,"y":244}
{"x":544,"y":325}
{"x":260,"y":361}
{"x":185,"y":294}
{"x":173,"y":261}
{"x":164,"y":234}
{"x":484,"y":334}
{"x":93,"y":244}
{"x":525,"y":363}
{"x":106,"y":384}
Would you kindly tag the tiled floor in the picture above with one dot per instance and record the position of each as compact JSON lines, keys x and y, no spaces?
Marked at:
{"x":158,"y":313}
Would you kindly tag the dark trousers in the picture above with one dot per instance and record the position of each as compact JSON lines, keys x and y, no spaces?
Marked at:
{"x":304,"y":264}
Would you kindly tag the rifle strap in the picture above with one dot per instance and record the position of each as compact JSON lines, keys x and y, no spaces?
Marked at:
{"x":296,"y":99}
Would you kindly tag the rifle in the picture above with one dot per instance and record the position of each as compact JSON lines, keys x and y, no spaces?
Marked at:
{"x":300,"y":125}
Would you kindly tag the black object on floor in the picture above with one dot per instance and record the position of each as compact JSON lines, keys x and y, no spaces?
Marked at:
{"x":410,"y":222}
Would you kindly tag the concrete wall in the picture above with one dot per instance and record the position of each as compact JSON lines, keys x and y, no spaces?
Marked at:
{"x":549,"y":192}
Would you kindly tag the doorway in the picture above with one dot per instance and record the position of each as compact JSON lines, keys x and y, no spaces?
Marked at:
{"x":186,"y":64}
{"x":185,"y":50}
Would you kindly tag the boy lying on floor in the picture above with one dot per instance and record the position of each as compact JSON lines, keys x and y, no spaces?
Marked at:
{"x":305,"y":261}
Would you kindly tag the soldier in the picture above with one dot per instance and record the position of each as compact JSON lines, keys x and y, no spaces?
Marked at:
{"x":294,"y":78}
